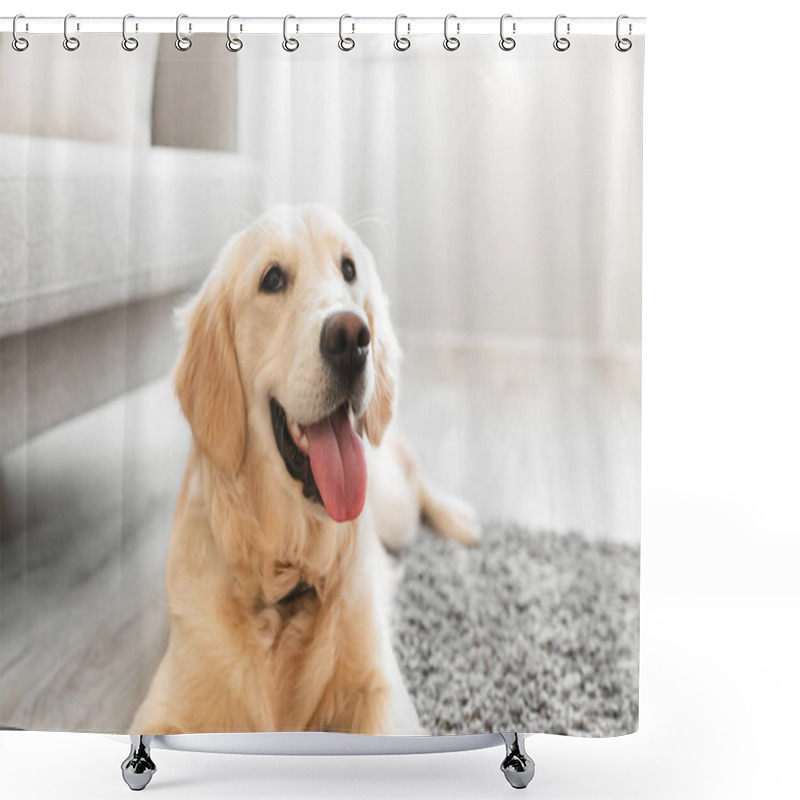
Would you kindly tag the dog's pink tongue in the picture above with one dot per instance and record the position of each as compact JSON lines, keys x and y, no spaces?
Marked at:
{"x":339,"y":466}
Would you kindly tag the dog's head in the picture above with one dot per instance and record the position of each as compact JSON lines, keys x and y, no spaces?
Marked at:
{"x":289,"y":343}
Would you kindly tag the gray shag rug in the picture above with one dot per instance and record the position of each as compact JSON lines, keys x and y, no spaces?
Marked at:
{"x":528,"y":631}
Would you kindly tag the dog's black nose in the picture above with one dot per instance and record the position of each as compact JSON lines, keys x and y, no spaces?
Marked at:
{"x":344,"y":343}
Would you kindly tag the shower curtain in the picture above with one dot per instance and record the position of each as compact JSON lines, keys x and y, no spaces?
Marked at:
{"x":379,"y":472}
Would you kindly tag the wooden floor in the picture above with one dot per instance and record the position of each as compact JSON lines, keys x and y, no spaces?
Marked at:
{"x":550,"y":440}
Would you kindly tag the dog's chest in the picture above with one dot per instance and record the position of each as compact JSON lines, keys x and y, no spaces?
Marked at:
{"x":272,"y":616}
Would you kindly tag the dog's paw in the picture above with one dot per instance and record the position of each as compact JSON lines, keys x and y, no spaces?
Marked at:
{"x":397,"y":571}
{"x":452,"y":517}
{"x":465,"y":522}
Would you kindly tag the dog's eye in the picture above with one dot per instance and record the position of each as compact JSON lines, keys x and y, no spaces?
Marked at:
{"x":348,"y":269}
{"x":273,"y":281}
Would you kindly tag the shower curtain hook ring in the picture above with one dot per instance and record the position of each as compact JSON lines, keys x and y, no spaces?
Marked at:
{"x":507,"y":42}
{"x":346,"y":43}
{"x":451,"y":43}
{"x":129,"y":43}
{"x":234,"y":43}
{"x":182,"y":43}
{"x":289,"y":44}
{"x":623,"y":44}
{"x":71,"y":43}
{"x":561,"y":43}
{"x":19,"y":43}
{"x":401,"y":43}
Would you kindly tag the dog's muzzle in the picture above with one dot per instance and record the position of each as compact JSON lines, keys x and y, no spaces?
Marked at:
{"x":344,"y":344}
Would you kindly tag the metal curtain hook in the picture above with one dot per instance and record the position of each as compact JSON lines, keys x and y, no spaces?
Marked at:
{"x":507,"y":42}
{"x":234,"y":43}
{"x":451,"y":42}
{"x":561,"y":43}
{"x":183,"y":43}
{"x":346,"y":42}
{"x":19,"y":43}
{"x":129,"y":43}
{"x":71,"y":43}
{"x":289,"y":44}
{"x":401,"y":42}
{"x":623,"y":44}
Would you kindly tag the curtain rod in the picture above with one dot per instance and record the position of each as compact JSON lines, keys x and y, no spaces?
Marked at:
{"x":461,"y":26}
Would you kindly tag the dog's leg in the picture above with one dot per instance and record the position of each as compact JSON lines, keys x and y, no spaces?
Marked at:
{"x":401,"y":715}
{"x":393,"y":491}
{"x":399,"y":497}
{"x":379,"y":703}
{"x":155,"y":715}
{"x":450,"y":516}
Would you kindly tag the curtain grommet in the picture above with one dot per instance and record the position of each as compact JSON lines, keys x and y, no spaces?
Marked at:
{"x":234,"y":43}
{"x":129,"y":43}
{"x":70,"y":43}
{"x":451,"y":43}
{"x":561,"y":43}
{"x":346,"y":43}
{"x":182,"y":43}
{"x":401,"y":43}
{"x":19,"y":43}
{"x":290,"y":43}
{"x":623,"y":44}
{"x":507,"y":43}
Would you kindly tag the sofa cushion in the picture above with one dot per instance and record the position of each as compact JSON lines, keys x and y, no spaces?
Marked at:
{"x":100,"y":94}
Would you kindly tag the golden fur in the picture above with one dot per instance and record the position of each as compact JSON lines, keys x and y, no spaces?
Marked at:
{"x":244,"y":535}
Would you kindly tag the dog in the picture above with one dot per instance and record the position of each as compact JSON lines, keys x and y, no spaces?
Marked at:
{"x":278,"y":579}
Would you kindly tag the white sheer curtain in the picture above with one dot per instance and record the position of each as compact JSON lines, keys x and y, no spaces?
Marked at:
{"x":507,"y":198}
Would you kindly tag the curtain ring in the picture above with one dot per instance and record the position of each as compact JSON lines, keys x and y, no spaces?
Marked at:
{"x":19,"y":43}
{"x":506,"y":42}
{"x":183,"y":43}
{"x":561,"y":43}
{"x":346,"y":43}
{"x":451,"y":42}
{"x":70,"y":43}
{"x":234,"y":43}
{"x":623,"y":44}
{"x":289,"y":44}
{"x":401,"y":43}
{"x":129,"y":43}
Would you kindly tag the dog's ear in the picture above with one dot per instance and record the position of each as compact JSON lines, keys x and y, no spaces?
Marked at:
{"x":207,"y":378}
{"x":386,"y":357}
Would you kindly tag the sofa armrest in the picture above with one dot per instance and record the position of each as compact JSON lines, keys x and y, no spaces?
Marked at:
{"x":86,"y":226}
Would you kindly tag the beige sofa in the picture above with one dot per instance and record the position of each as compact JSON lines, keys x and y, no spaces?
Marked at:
{"x":120,"y":178}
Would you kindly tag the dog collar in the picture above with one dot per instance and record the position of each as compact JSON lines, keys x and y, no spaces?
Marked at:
{"x":300,"y":590}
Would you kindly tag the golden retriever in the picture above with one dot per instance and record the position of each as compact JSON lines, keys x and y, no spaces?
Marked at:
{"x":277,"y":580}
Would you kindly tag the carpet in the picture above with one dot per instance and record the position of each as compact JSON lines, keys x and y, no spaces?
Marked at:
{"x":529,"y":631}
